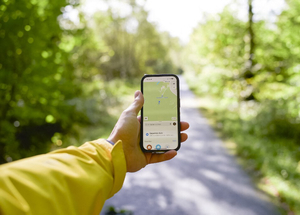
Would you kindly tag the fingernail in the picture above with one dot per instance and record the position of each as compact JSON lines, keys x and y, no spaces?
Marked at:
{"x":137,"y":94}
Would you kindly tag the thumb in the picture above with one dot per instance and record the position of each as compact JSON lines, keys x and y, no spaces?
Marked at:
{"x":138,"y":102}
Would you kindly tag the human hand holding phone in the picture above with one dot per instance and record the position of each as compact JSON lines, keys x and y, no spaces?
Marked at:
{"x":127,"y":129}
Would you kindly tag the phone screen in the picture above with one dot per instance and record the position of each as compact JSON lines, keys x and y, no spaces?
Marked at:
{"x":160,"y":113}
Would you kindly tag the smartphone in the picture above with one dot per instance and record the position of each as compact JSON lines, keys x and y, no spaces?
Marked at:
{"x":160,"y":115}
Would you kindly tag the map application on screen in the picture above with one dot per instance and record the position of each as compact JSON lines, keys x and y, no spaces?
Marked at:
{"x":160,"y":113}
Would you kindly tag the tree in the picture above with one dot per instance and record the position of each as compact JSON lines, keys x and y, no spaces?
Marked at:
{"x":124,"y":46}
{"x":36,"y":79}
{"x":239,"y":61}
{"x":217,"y":52}
{"x":52,"y":69}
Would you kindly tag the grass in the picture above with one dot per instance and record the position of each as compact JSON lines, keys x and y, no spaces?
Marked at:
{"x":272,"y":162}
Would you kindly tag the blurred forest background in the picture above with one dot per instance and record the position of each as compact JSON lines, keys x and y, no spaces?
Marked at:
{"x":64,"y":80}
{"x":59,"y":76}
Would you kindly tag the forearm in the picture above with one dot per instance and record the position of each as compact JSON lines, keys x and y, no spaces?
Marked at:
{"x":67,"y":181}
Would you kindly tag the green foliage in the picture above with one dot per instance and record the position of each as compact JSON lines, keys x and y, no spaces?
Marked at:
{"x":112,"y":211}
{"x":259,"y":112}
{"x":35,"y":78}
{"x":274,"y":162}
{"x":125,"y":47}
{"x":57,"y":75}
{"x":219,"y":53}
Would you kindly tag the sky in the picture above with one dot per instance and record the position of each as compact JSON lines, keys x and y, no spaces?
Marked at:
{"x":180,"y":17}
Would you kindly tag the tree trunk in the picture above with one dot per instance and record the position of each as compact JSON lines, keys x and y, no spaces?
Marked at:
{"x":248,"y":72}
{"x":251,"y":34}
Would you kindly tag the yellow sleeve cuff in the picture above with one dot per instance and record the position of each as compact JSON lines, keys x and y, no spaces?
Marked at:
{"x":116,"y":156}
{"x":119,"y":167}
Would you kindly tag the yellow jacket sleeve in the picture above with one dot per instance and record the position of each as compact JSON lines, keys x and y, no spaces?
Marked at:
{"x":75,"y":180}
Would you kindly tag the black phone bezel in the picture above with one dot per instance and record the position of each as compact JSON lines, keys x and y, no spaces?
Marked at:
{"x":178,"y":114}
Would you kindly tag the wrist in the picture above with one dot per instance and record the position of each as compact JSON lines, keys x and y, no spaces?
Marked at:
{"x":111,"y":142}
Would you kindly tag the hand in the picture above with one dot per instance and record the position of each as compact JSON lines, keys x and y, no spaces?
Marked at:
{"x":127,"y":129}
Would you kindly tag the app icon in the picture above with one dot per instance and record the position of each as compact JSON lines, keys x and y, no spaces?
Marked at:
{"x":158,"y":147}
{"x":149,"y":147}
{"x":147,"y":134}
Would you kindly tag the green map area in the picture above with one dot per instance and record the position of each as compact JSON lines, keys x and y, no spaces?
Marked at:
{"x":160,"y":103}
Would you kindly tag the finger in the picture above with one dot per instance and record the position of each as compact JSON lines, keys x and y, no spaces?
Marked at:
{"x":183,"y":137}
{"x":138,"y":102}
{"x":139,"y":118}
{"x":156,"y":158}
{"x":184,"y":126}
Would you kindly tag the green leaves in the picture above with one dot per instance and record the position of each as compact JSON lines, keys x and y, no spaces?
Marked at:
{"x":57,"y":74}
{"x":34,"y":89}
{"x":255,"y":95}
{"x":220,"y":53}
